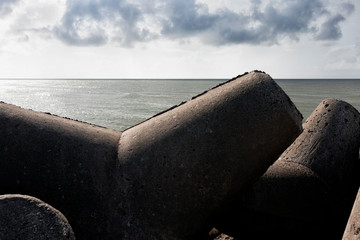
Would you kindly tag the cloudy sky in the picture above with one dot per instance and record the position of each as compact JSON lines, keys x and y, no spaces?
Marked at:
{"x":179,"y":38}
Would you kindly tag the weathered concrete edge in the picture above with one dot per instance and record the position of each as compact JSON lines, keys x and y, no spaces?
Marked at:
{"x":55,"y":115}
{"x":217,"y":86}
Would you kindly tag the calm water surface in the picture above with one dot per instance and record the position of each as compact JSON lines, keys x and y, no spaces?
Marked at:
{"x":119,"y":104}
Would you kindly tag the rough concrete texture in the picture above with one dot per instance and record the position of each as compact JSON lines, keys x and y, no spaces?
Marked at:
{"x":161,"y":179}
{"x":308,"y":192}
{"x":67,"y":164}
{"x":25,"y":217}
{"x":352,"y":230}
{"x":177,"y":167}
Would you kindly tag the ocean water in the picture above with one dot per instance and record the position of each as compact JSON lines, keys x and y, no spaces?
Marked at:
{"x":120,"y":104}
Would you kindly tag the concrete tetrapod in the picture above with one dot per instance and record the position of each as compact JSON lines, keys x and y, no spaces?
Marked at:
{"x":179,"y":166}
{"x":160,"y":179}
{"x":26,"y":217}
{"x":308,"y":192}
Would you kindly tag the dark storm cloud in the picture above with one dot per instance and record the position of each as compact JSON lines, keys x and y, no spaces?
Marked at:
{"x":6,"y":6}
{"x":127,"y":22}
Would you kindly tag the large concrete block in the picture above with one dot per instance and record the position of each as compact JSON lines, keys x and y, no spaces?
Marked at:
{"x":179,"y":166}
{"x":161,"y":179}
{"x":26,"y":217}
{"x":307,"y":193}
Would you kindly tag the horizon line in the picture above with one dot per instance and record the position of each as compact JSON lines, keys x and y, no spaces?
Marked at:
{"x":164,"y":78}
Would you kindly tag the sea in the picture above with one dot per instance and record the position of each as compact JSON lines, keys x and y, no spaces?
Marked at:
{"x":121,"y":103}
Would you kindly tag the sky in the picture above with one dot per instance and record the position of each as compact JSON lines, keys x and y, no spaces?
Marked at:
{"x":179,"y":38}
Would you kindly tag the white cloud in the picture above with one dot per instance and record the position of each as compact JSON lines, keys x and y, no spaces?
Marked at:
{"x":345,"y":57}
{"x":6,"y":7}
{"x":37,"y":17}
{"x":30,"y":22}
{"x":178,"y":38}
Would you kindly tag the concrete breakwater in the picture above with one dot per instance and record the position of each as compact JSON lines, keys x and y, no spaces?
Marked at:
{"x":168,"y":177}
{"x":309,"y":190}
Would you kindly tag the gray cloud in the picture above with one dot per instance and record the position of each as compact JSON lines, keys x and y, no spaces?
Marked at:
{"x":126,"y":22}
{"x":6,"y":6}
{"x":182,"y":18}
{"x":267,"y":26}
{"x":348,"y":8}
{"x":330,"y":30}
{"x":97,"y":22}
